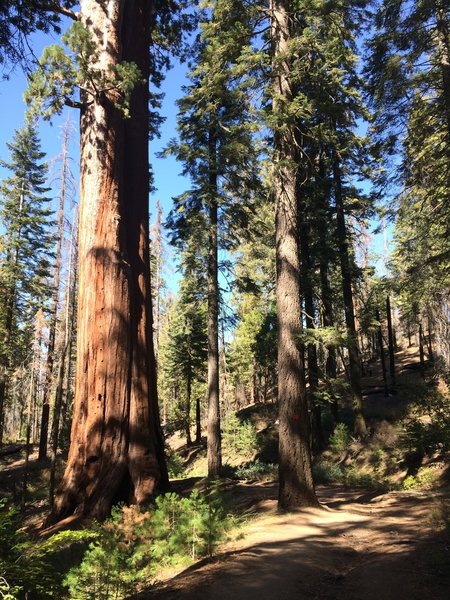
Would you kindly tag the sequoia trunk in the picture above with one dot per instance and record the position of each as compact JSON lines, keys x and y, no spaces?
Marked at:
{"x":116,"y":450}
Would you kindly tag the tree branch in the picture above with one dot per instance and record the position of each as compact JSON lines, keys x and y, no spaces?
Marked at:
{"x":61,"y":10}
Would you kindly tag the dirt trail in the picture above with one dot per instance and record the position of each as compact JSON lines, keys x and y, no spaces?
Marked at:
{"x":357,"y":547}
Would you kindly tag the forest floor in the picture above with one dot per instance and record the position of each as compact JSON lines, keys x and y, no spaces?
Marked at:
{"x":360,"y":544}
{"x":356,"y":546}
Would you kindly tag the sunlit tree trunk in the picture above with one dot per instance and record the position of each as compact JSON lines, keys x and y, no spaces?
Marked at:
{"x":381,"y":351}
{"x":214,"y":448}
{"x":311,"y":350}
{"x":53,"y":317}
{"x":443,"y":39}
{"x":116,"y":450}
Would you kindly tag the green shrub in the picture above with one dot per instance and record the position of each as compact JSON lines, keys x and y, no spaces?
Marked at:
{"x":431,"y":434}
{"x":7,"y":592}
{"x":357,"y":478}
{"x":327,"y":472}
{"x":440,"y":515}
{"x":32,"y":568}
{"x":239,"y":437}
{"x":132,"y":546}
{"x":425,"y":478}
{"x":257,"y":470}
{"x":340,"y":438}
{"x":175,"y":465}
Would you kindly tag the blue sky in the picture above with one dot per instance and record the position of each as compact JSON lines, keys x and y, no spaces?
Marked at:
{"x":168,"y":180}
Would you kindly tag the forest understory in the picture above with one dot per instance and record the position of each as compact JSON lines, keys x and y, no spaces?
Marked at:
{"x":363,"y":543}
{"x":381,"y":531}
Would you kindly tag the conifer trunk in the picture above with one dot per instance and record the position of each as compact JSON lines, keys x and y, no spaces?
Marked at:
{"x":188,"y":407}
{"x":116,"y":450}
{"x":9,"y":315}
{"x":214,"y":449}
{"x":391,"y":342}
{"x":381,"y":351}
{"x":443,"y":35}
{"x":45,"y":418}
{"x":344,"y":257}
{"x":421,"y":352}
{"x":296,"y":485}
{"x":198,"y":424}
{"x":64,"y":359}
{"x":311,"y":353}
{"x":325,"y":288}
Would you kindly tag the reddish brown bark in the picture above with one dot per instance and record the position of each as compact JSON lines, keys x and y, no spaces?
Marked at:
{"x":116,"y":450}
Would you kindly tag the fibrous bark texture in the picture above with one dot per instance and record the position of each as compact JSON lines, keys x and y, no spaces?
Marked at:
{"x":116,"y":450}
{"x":295,"y":479}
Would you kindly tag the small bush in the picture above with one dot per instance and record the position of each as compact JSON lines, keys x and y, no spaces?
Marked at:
{"x":424,"y":479}
{"x":440,"y":515}
{"x":257,"y":470}
{"x":239,"y":437}
{"x":327,"y":472}
{"x":340,"y":439}
{"x":31,"y":568}
{"x":175,"y":465}
{"x":132,"y":546}
{"x":428,"y":430}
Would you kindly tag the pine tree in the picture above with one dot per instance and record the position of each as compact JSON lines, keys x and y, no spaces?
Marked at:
{"x":186,"y":351}
{"x":18,"y":20}
{"x":65,"y":179}
{"x":408,"y":70}
{"x":26,"y":250}
{"x":218,"y":155}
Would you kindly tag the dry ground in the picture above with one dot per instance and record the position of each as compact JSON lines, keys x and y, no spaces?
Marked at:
{"x":356,"y":547}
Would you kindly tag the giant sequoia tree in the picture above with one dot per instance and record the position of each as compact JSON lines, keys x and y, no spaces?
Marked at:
{"x":116,"y":447}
